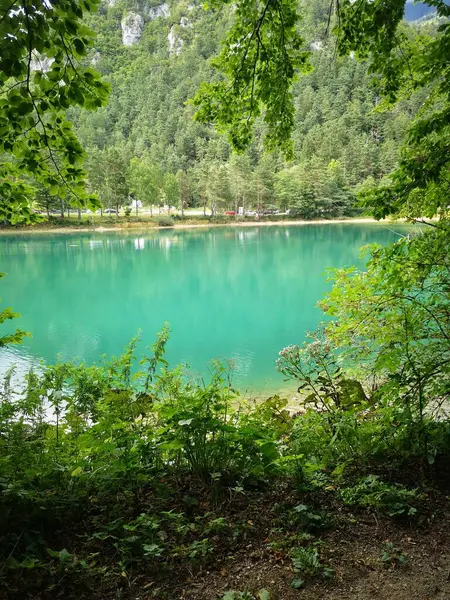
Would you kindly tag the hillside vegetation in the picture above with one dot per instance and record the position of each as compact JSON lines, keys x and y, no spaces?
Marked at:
{"x":145,"y":143}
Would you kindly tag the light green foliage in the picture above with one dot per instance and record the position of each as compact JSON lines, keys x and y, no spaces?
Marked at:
{"x":373,"y":493}
{"x":36,"y":138}
{"x":146,"y":180}
{"x":392,"y":321}
{"x":218,"y":188}
{"x":311,"y":190}
{"x":315,"y":366}
{"x":171,"y":189}
{"x":114,"y":190}
{"x":240,"y":174}
{"x":165,"y":221}
{"x":15,"y":337}
{"x":306,"y":562}
{"x":259,"y":58}
{"x":405,"y":62}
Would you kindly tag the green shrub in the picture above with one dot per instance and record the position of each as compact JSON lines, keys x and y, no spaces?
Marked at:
{"x":373,"y":493}
{"x":165,"y":221}
{"x":392,"y":556}
{"x":307,"y":519}
{"x":203,"y":431}
{"x":306,"y":562}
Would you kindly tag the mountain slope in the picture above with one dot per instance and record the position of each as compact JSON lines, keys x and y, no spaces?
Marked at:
{"x":157,"y":54}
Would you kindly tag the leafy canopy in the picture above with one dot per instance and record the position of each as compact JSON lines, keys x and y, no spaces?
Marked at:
{"x":41,"y":46}
{"x":264,"y":53}
{"x":260,"y":57}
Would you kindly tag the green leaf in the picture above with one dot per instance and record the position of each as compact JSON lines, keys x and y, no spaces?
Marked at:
{"x":297,"y":584}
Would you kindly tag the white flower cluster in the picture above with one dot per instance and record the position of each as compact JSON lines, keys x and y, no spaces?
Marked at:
{"x":288,"y":351}
{"x":287,"y":355}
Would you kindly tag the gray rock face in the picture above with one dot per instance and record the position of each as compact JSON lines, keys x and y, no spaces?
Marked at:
{"x":316,"y":45}
{"x":95,"y":58}
{"x":132,"y":25}
{"x":175,"y":43}
{"x":157,"y":11}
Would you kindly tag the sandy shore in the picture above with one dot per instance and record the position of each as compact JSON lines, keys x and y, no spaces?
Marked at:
{"x":142,"y":227}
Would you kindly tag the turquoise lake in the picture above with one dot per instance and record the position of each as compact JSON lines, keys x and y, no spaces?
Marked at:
{"x":239,"y":294}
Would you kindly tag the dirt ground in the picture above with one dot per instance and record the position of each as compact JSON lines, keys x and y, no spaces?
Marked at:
{"x":352,"y":547}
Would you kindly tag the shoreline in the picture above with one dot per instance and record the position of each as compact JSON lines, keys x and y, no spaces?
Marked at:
{"x":142,"y":228}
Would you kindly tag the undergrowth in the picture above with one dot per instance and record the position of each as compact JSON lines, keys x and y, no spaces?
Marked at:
{"x":128,"y":471}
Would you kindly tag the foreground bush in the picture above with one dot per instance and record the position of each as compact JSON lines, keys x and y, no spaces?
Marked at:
{"x":128,"y":467}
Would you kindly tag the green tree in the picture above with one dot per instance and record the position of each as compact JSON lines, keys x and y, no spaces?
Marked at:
{"x":48,"y":202}
{"x":41,"y":76}
{"x":115,"y":190}
{"x":259,"y":58}
{"x":218,"y":190}
{"x":313,"y":190}
{"x":392,"y":323}
{"x":184,"y":186}
{"x":263,"y":184}
{"x":96,"y":173}
{"x":241,"y":179}
{"x":171,"y":188}
{"x":146,"y":180}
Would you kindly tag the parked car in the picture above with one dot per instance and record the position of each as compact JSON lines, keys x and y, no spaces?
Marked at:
{"x":251,"y":213}
{"x":230,"y":213}
{"x":109,"y":211}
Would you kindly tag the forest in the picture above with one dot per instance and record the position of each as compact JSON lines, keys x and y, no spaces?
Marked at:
{"x":147,"y":147}
{"x":125,"y":479}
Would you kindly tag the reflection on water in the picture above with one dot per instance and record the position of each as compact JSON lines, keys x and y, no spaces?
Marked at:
{"x":237,"y":293}
{"x":17,"y":360}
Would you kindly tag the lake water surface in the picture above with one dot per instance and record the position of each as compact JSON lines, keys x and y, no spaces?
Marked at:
{"x":232,"y":293}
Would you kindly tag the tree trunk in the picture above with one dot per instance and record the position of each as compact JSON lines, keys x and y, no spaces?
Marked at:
{"x":117,"y":210}
{"x":137,"y":210}
{"x":79,"y":214}
{"x":62,"y":210}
